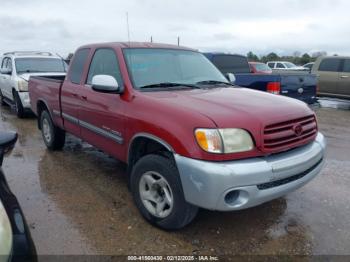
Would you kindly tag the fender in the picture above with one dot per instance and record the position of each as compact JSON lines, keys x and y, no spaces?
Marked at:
{"x":37,"y":103}
{"x":152,"y":137}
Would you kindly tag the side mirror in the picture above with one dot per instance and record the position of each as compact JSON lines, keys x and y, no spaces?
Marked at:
{"x":105,"y":84}
{"x":7,"y":143}
{"x":6,"y":71}
{"x":231,"y":77}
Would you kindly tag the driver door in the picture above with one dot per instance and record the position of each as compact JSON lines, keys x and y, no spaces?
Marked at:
{"x":101,"y":114}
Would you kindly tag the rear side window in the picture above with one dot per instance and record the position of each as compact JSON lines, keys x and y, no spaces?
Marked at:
{"x":3,"y":62}
{"x":77,"y":66}
{"x":6,"y":63}
{"x":330,"y":65}
{"x":104,"y":62}
{"x":280,"y":65}
{"x":346,"y":67}
{"x":271,"y":65}
{"x":231,"y":64}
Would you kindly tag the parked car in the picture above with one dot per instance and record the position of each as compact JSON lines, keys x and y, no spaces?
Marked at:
{"x":333,"y":76}
{"x":299,"y":85}
{"x":260,"y":68}
{"x":17,"y":68}
{"x":309,"y":65}
{"x":189,"y":138}
{"x":283,"y":65}
{"x":15,"y":240}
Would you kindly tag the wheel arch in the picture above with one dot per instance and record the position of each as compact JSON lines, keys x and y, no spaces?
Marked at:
{"x":143,"y":144}
{"x":40,"y":107}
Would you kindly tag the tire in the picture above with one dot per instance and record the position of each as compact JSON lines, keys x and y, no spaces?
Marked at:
{"x":175,"y":215}
{"x":53,"y":136}
{"x":2,"y":102}
{"x":18,"y":105}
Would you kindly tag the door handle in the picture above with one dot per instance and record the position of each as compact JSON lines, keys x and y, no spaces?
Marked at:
{"x":84,"y":97}
{"x":74,"y":95}
{"x":344,"y":77}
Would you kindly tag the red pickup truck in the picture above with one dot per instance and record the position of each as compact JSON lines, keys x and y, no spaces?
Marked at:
{"x":189,"y":137}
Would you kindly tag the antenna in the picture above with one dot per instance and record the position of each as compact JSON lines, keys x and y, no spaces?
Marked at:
{"x":178,"y":41}
{"x":151,"y":39}
{"x":127,"y":26}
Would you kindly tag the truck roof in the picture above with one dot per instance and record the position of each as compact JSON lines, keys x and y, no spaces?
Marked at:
{"x":31,"y":54}
{"x":136,"y":45}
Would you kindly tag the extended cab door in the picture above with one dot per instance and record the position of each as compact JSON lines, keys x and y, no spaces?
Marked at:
{"x":101,"y":114}
{"x":70,"y":93}
{"x":343,"y":87}
{"x":328,"y":75}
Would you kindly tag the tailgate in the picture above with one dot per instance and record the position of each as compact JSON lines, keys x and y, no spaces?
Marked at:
{"x":302,"y":86}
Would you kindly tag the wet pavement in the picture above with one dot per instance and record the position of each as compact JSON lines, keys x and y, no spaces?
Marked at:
{"x":76,"y":202}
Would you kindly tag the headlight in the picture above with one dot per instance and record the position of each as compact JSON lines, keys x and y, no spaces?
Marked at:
{"x":22,"y":85}
{"x":230,"y":140}
{"x":5,"y":234}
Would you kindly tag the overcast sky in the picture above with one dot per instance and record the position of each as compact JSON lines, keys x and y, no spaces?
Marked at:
{"x":236,"y":26}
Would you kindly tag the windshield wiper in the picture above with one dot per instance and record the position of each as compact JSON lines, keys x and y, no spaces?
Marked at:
{"x":169,"y":84}
{"x":213,"y":82}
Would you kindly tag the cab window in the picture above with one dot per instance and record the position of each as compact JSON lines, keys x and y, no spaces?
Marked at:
{"x":4,"y":63}
{"x":104,"y":62}
{"x":271,"y":65}
{"x":231,"y":64}
{"x":77,"y":67}
{"x":280,"y":65}
{"x":9,"y":63}
{"x":330,"y":65}
{"x":346,"y":67}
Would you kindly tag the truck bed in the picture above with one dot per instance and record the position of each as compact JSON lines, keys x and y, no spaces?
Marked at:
{"x":46,"y":91}
{"x":296,"y":84}
{"x":299,"y":85}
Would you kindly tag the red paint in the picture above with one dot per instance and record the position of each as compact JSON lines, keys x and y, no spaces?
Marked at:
{"x":169,"y":115}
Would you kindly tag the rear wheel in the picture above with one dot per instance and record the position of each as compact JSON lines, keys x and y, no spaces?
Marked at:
{"x":53,"y":136}
{"x":158,"y":194}
{"x":18,"y":105}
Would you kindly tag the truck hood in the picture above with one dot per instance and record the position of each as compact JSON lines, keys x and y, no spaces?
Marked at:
{"x":234,"y":107}
{"x":26,"y":76}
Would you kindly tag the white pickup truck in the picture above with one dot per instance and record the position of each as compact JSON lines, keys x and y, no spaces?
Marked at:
{"x":17,"y":68}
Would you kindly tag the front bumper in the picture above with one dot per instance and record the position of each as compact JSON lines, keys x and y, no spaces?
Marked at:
{"x":236,"y":185}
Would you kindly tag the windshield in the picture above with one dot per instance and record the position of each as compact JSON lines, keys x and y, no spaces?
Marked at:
{"x":262,"y":67}
{"x":38,"y":65}
{"x":290,"y":65}
{"x":150,"y":66}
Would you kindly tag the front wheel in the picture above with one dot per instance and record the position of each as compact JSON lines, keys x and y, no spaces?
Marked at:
{"x":54,"y":137}
{"x":158,"y":194}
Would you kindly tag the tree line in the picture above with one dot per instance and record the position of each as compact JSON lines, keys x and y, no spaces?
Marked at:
{"x":297,"y":58}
